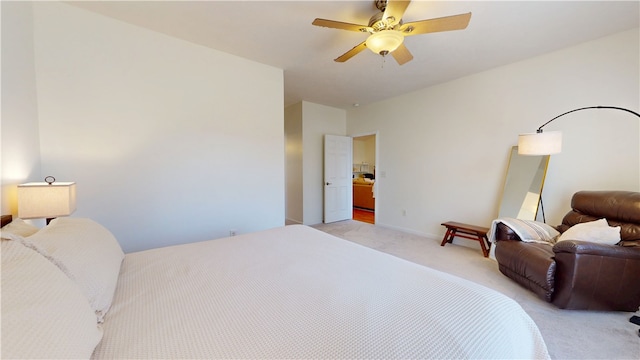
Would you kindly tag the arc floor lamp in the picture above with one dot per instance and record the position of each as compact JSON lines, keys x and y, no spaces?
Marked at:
{"x":548,"y":143}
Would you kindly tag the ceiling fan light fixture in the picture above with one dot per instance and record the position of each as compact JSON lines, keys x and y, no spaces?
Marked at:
{"x":385,"y":41}
{"x":387,"y":30}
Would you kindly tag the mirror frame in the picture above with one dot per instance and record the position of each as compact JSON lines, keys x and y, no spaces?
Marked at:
{"x":523,"y":184}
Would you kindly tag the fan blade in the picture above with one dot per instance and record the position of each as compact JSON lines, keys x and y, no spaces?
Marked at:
{"x":402,"y":54}
{"x":340,"y":25}
{"x":447,"y":23}
{"x":395,"y":9}
{"x":351,"y":53}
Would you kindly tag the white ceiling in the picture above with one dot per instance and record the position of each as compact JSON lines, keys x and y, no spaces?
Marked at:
{"x":280,"y":34}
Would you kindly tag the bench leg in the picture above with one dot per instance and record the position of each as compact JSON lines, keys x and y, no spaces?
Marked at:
{"x":485,"y":249}
{"x":481,"y":238}
{"x":448,"y":237}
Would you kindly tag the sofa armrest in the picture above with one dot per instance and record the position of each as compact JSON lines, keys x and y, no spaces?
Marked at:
{"x":504,"y":232}
{"x":590,"y":248}
{"x":529,"y":264}
{"x":591,"y":276}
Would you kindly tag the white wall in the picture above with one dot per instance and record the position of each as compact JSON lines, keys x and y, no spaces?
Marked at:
{"x":317,"y":120}
{"x":169,"y":142}
{"x":293,"y":163}
{"x":305,"y":126}
{"x":364,"y":151}
{"x":20,"y":141}
{"x":443,"y":150}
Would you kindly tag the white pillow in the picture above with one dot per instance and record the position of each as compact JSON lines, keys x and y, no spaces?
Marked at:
{"x":18,"y":227}
{"x":597,"y":231}
{"x":89,"y":252}
{"x":44,"y":314}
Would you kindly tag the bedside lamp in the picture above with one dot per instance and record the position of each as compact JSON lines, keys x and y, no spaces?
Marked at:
{"x":47,"y":199}
{"x":541,"y":143}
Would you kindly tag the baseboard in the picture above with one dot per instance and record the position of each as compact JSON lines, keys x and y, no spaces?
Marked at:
{"x":410,"y":231}
{"x":288,"y":221}
{"x":437,"y":237}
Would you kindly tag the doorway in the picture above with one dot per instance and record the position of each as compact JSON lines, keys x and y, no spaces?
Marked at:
{"x":364,"y":178}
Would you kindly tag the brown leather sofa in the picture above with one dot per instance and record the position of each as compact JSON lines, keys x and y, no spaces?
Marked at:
{"x":577,"y":274}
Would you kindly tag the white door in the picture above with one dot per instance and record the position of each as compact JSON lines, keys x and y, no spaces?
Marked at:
{"x":338,"y":172}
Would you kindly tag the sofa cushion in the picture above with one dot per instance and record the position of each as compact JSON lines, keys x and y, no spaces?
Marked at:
{"x":597,"y":231}
{"x":620,"y":208}
{"x":613,"y":205}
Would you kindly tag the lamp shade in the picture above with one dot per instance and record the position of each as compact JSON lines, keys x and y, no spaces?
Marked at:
{"x":542,"y":143}
{"x":385,"y":41}
{"x":44,"y":200}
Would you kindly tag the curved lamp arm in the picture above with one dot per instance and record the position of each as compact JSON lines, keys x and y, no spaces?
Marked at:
{"x":540,"y":143}
{"x":584,"y":108}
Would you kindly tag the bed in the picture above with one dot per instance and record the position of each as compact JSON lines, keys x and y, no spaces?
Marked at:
{"x":290,"y":292}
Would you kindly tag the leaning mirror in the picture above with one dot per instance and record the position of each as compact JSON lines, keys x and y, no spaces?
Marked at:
{"x":523,"y":186}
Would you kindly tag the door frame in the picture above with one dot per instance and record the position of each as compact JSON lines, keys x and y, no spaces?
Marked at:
{"x":378,"y":172}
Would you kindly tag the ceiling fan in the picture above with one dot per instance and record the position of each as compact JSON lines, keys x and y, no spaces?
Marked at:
{"x":387,"y":31}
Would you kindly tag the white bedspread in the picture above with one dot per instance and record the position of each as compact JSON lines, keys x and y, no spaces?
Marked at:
{"x":295,"y":292}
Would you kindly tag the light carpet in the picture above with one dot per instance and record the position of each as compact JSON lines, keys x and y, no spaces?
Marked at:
{"x":569,"y":334}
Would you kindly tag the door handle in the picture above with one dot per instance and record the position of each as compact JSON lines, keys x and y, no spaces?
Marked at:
{"x":328,"y":183}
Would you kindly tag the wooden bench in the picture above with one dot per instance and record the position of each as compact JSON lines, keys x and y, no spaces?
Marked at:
{"x":472,"y":232}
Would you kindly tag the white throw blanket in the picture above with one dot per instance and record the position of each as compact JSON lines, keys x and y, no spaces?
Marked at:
{"x":527,"y":230}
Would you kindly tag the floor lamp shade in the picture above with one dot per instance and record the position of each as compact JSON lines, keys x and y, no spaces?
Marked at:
{"x":542,"y":143}
{"x":548,"y":143}
{"x":44,"y":200}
